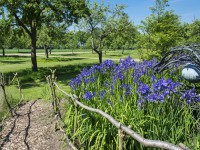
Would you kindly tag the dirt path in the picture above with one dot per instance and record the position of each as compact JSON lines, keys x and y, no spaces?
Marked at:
{"x":32,"y":129}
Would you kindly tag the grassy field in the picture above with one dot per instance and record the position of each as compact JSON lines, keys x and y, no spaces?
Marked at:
{"x":33,"y":84}
{"x":66,"y":63}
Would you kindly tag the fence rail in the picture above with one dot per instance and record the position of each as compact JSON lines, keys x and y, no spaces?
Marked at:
{"x":121,"y":128}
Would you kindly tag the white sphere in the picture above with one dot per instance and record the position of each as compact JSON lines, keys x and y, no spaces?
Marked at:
{"x":191,"y":72}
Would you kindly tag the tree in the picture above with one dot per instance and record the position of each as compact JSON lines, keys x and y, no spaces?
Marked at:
{"x":71,"y":40}
{"x":184,"y":34}
{"x":4,"y":38}
{"x":100,"y":23}
{"x":48,"y":36}
{"x":5,"y":34}
{"x":31,"y":15}
{"x":81,"y":37}
{"x":20,"y":39}
{"x":194,"y":32}
{"x":161,"y":30}
{"x":124,"y":36}
{"x":44,"y":39}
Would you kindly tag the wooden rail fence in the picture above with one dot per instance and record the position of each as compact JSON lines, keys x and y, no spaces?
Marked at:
{"x":121,"y":128}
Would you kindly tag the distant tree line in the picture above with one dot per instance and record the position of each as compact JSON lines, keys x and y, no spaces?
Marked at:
{"x":99,"y":27}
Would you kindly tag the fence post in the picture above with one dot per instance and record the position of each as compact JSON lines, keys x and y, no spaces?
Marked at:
{"x":75,"y":118}
{"x":51,"y":79}
{"x":3,"y":85}
{"x":19,"y":87}
{"x":18,"y":84}
{"x":120,"y":139}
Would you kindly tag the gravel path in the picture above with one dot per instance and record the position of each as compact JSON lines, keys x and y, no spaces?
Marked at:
{"x":32,"y":129}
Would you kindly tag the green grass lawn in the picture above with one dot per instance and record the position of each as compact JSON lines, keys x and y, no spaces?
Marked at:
{"x":66,"y":63}
{"x":33,"y":84}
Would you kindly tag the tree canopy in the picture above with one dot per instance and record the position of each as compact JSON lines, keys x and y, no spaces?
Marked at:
{"x":31,"y":15}
{"x":161,"y":30}
{"x":105,"y":23}
{"x":101,"y":27}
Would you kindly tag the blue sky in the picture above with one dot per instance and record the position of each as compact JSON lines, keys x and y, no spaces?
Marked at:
{"x":139,"y":9}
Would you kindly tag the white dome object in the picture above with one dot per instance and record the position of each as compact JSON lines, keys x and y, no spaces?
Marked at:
{"x":191,"y":72}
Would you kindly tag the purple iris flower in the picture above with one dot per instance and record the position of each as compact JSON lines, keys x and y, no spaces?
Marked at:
{"x":89,"y":95}
{"x":144,"y":89}
{"x":161,"y":98}
{"x":110,"y":103}
{"x":153,"y":97}
{"x":190,"y":96}
{"x":102,"y":94}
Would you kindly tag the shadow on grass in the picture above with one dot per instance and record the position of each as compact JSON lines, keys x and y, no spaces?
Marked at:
{"x":72,"y":54}
{"x":115,"y":55}
{"x":23,"y":52}
{"x":12,"y":62}
{"x":15,"y":56}
{"x":58,"y":59}
{"x":29,"y":79}
{"x":27,"y":85}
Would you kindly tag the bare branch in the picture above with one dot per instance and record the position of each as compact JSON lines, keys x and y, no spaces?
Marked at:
{"x":69,"y":95}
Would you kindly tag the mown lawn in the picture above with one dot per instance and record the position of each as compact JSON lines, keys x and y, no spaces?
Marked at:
{"x":66,"y":63}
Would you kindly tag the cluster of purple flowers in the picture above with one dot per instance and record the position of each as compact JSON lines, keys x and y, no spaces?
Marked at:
{"x":89,"y":75}
{"x":191,"y":96}
{"x":127,"y":88}
{"x":88,"y":95}
{"x":109,"y":78}
{"x":158,"y":91}
{"x":102,"y":94}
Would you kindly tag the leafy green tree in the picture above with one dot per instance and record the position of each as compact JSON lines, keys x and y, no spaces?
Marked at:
{"x":31,"y":15}
{"x":57,"y":33}
{"x":71,"y":40}
{"x":5,"y":35}
{"x":96,"y":23}
{"x":100,"y":24}
{"x":161,"y":30}
{"x":184,"y":34}
{"x":44,"y":39}
{"x":20,"y":39}
{"x":194,"y":32}
{"x":4,"y":41}
{"x":124,"y":36}
{"x":81,"y":37}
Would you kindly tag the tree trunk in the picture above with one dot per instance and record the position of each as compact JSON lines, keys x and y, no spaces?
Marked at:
{"x":33,"y":49}
{"x":46,"y":51}
{"x":123,"y":50}
{"x":50,"y":50}
{"x":100,"y":57}
{"x":3,"y":52}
